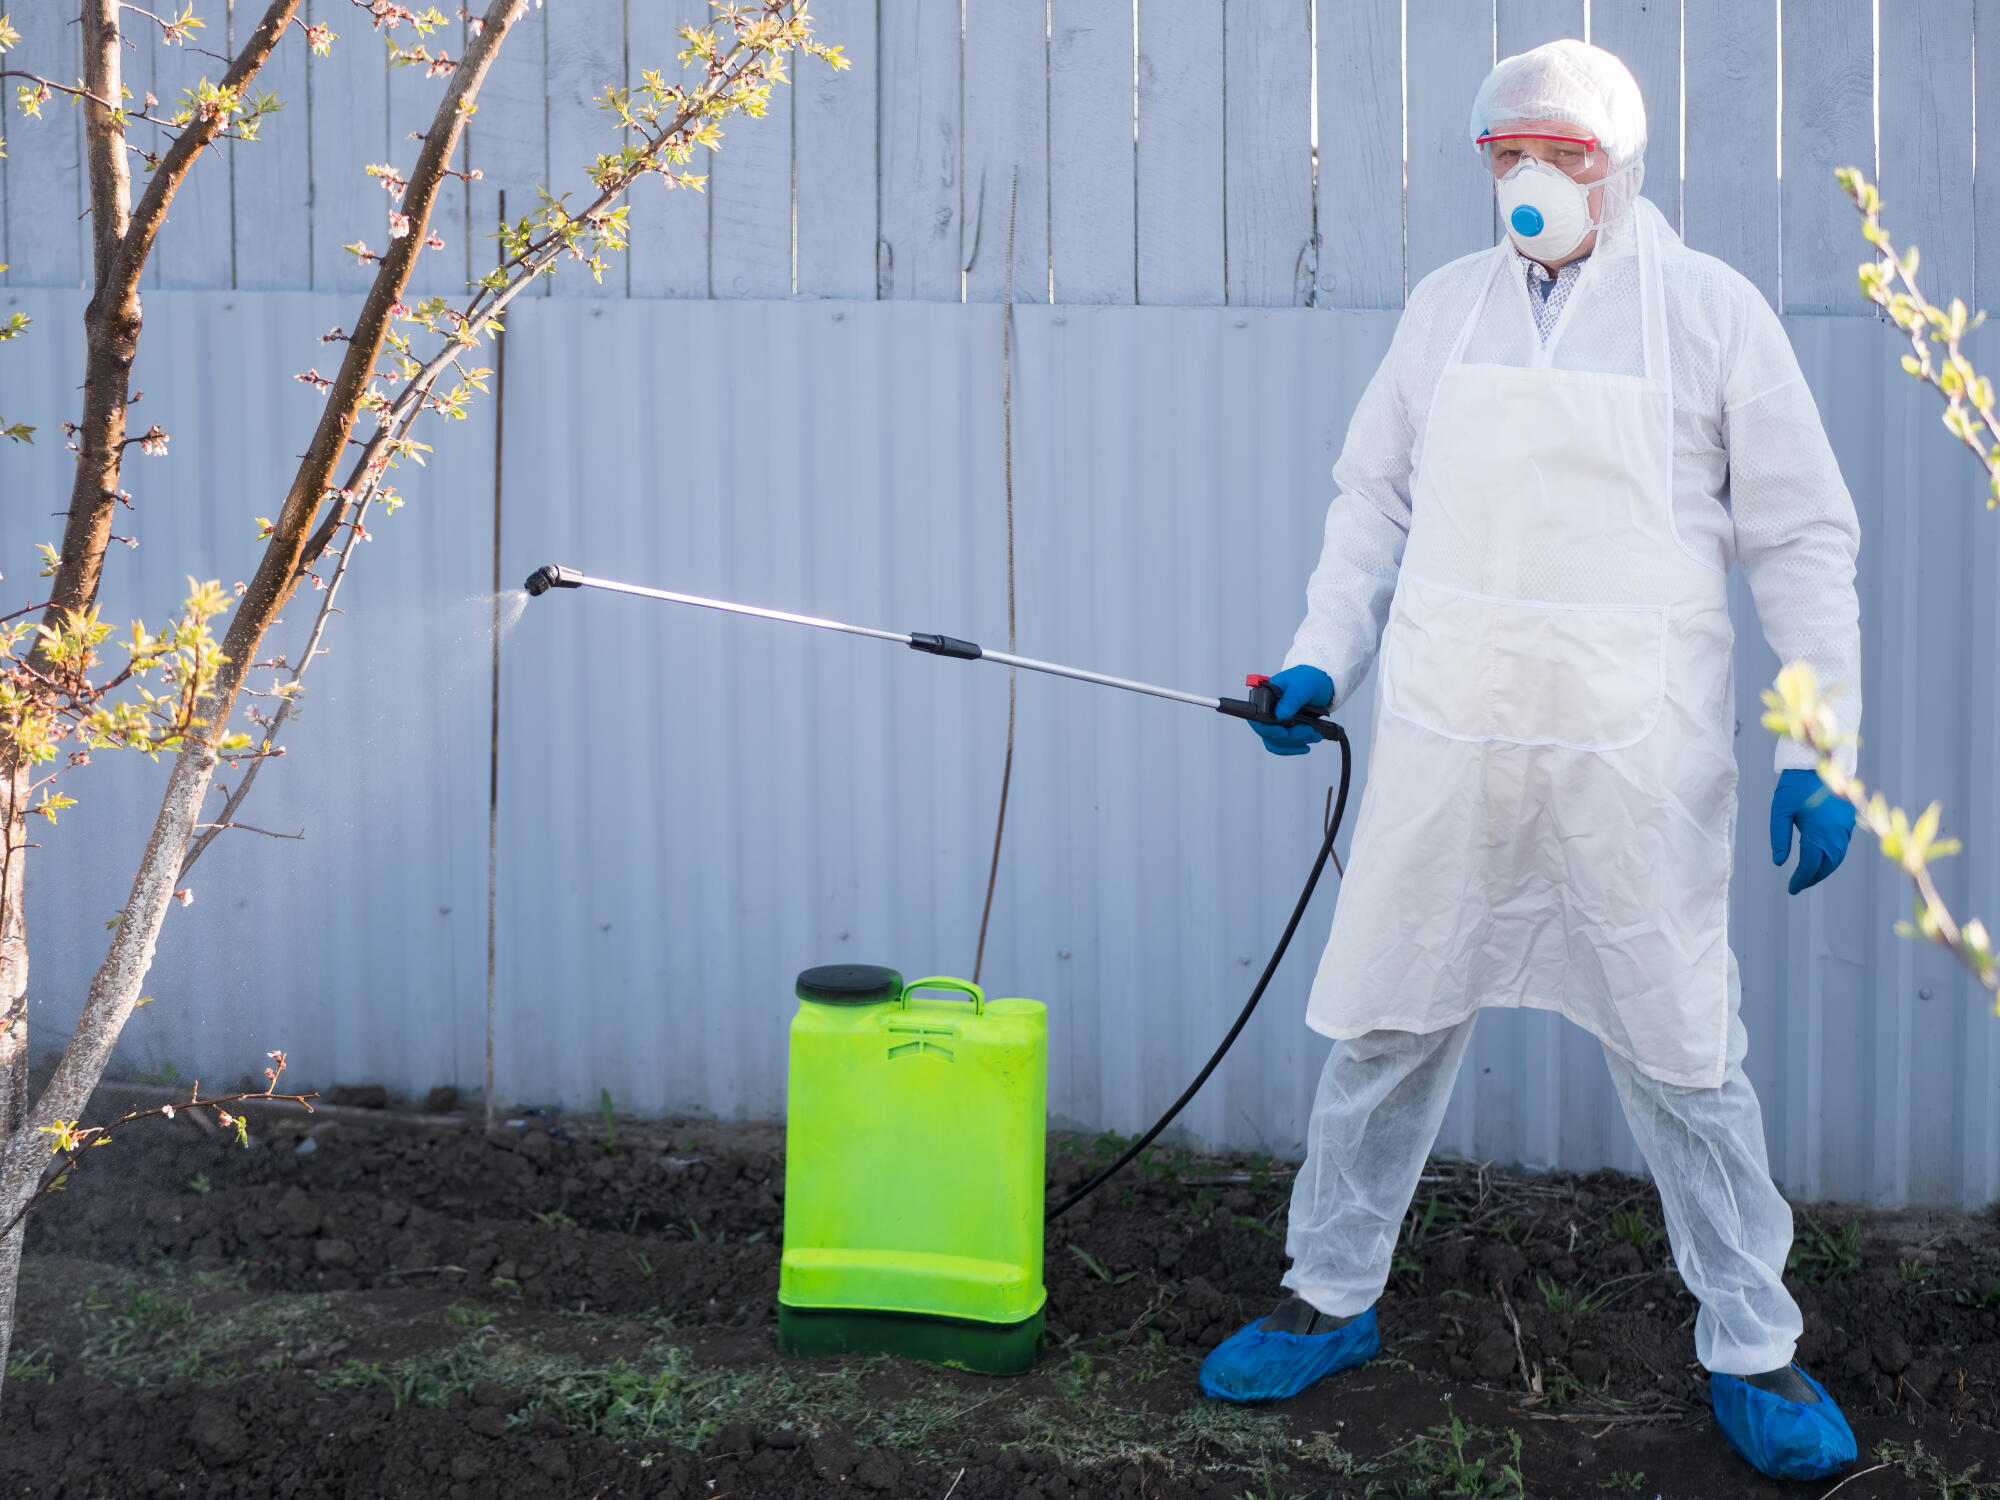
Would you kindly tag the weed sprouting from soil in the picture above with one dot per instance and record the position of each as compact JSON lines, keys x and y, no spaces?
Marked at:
{"x":1621,"y":1479}
{"x":30,"y":1366}
{"x":1567,"y":1300}
{"x":1819,"y":1255}
{"x":1631,"y":1226}
{"x":1457,"y":1461}
{"x":1916,"y":1462}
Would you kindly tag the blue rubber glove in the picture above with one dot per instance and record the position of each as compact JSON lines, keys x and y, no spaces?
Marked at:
{"x":1825,"y":823}
{"x":1299,"y":688}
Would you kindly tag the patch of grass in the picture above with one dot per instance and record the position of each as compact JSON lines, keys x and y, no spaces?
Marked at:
{"x":1631,"y":1226}
{"x":1563,"y":1299}
{"x":1820,"y":1255}
{"x":555,"y":1218}
{"x":610,"y":1145}
{"x":1255,"y":1226}
{"x":1097,"y":1267}
{"x":199,"y":1183}
{"x":1619,"y":1479}
{"x":1221,"y":1427}
{"x":1417,"y":1227}
{"x":1457,"y":1461}
{"x":30,"y":1366}
{"x":1916,"y":1462}
{"x":467,"y":1315}
{"x":128,"y":1319}
{"x":1509,"y":1229}
{"x":1916,"y":1270}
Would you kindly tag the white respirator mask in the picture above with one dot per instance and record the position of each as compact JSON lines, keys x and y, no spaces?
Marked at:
{"x":1547,"y":215}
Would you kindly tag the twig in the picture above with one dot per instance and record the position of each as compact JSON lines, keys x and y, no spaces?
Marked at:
{"x":1534,"y":1378}
{"x":249,"y":828}
{"x":954,"y":1484}
{"x":1857,"y":1474}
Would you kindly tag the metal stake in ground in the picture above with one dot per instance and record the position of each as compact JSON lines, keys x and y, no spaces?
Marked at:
{"x":1259,"y":707}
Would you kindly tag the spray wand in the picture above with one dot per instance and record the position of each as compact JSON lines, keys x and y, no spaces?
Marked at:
{"x":1259,"y":708}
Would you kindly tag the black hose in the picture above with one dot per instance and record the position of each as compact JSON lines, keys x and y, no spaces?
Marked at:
{"x":1243,"y":1019}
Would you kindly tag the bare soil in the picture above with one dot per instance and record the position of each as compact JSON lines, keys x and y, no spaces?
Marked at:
{"x":372,"y":1306}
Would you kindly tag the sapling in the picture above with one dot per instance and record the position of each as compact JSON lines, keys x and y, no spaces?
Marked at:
{"x":179,"y":689}
{"x":1796,"y":708}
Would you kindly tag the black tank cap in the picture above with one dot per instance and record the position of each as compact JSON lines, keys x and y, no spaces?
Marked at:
{"x":850,"y":984}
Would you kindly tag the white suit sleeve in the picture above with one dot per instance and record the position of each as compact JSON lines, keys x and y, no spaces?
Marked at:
{"x":1796,"y":532}
{"x":1347,"y":597}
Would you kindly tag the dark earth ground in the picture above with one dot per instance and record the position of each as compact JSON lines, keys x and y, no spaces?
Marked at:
{"x":375,"y":1306}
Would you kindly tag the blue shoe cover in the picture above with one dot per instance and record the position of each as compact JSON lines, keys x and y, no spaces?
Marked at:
{"x":1253,"y":1365}
{"x":1784,"y":1439}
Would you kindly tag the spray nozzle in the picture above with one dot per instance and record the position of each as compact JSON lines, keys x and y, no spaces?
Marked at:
{"x":552,"y":576}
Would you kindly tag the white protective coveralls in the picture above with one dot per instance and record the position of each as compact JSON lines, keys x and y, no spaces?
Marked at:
{"x":1536,"y":533}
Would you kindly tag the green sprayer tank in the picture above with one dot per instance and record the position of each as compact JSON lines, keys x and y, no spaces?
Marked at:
{"x":913,"y":1171}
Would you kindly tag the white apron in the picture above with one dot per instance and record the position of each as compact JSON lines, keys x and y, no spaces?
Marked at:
{"x":1552,"y":783}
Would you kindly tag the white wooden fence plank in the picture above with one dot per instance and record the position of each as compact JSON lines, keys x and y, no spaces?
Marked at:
{"x":586,"y":56}
{"x":1360,"y":154}
{"x":1986,"y":181}
{"x":1730,"y":194}
{"x":1646,"y":36}
{"x":1521,"y":24}
{"x":833,"y":145}
{"x":669,"y":226}
{"x":1183,"y":140}
{"x":194,"y":247}
{"x":1450,"y":199}
{"x":1091,"y":216}
{"x":413,"y":102}
{"x":272,"y":180}
{"x":1829,"y":106}
{"x":1926,"y":149}
{"x":47,"y":238}
{"x":1268,"y":205}
{"x":1006,"y":150}
{"x":750,"y":215}
{"x":921,"y":254}
{"x":349,"y":90}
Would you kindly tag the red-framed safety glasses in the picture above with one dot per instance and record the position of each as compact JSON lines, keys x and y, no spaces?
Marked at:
{"x":1588,"y":142}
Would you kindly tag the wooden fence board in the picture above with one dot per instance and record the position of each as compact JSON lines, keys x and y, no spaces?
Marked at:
{"x":46,"y":238}
{"x":1521,"y":24}
{"x":1646,"y":36}
{"x":1006,"y":151}
{"x":1179,"y":178}
{"x":669,"y":226}
{"x":349,"y":93}
{"x":272,"y":180}
{"x":1926,"y":149}
{"x":1092,"y":223}
{"x":1450,"y":195}
{"x":833,"y":145}
{"x":921,"y":205}
{"x":1829,"y":107}
{"x":1360,"y":213}
{"x":1729,"y":194}
{"x":750,"y":215}
{"x":586,"y":56}
{"x":1268,"y":202}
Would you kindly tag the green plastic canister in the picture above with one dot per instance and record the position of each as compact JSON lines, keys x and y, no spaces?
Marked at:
{"x":913,"y":1171}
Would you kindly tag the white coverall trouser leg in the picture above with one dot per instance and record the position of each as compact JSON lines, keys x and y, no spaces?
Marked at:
{"x":1382,"y":1100}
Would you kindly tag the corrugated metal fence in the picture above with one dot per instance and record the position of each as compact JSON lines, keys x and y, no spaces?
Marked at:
{"x":672,"y":846}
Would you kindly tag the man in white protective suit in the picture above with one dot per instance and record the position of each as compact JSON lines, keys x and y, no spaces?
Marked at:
{"x":1572,"y":437}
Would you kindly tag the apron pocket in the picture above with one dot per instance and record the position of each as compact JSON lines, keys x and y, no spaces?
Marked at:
{"x":1474,"y":668}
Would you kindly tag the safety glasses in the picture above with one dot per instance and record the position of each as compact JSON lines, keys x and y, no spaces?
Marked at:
{"x":1569,"y":154}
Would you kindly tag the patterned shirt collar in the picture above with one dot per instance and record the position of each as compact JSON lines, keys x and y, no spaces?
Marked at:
{"x":1548,"y":291}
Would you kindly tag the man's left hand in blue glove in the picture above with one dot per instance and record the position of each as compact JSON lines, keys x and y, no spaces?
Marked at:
{"x":1299,"y":688}
{"x":1825,"y":823}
